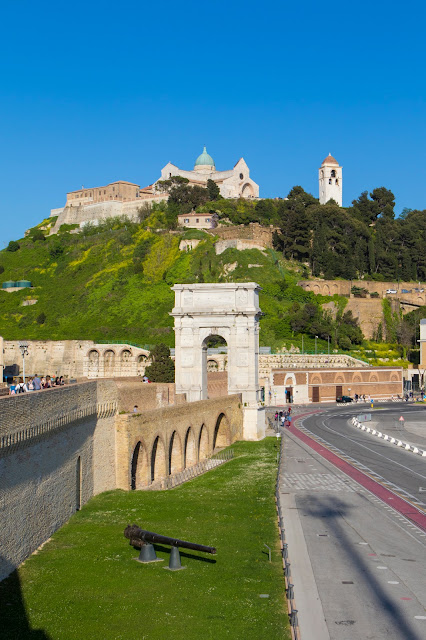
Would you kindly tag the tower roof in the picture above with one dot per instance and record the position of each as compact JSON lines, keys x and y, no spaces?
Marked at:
{"x":204,"y":159}
{"x":329,"y":160}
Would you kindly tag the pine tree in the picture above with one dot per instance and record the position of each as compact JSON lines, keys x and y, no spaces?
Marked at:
{"x":162,"y":368}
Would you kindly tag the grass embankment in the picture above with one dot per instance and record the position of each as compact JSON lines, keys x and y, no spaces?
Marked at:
{"x":84,"y":583}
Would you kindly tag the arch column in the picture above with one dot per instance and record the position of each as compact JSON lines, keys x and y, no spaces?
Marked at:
{"x":230,"y":310}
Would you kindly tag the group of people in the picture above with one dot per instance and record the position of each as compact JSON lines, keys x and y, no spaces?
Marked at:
{"x":283,"y":417}
{"x":35,"y":383}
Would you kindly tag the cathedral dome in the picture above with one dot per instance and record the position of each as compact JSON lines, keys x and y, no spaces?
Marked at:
{"x":204,"y":160}
{"x":329,"y":160}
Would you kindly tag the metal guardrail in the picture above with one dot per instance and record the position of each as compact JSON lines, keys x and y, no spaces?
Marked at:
{"x":289,"y":588}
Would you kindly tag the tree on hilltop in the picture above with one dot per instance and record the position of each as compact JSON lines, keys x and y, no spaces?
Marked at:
{"x":214,"y":191}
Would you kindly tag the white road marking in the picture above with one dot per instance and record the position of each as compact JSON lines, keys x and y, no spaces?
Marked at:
{"x":393,"y":582}
{"x":372,"y":451}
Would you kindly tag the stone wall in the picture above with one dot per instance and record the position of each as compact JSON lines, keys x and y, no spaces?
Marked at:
{"x":146,"y":396}
{"x":78,"y":358}
{"x":320,"y":385}
{"x":97,"y":211}
{"x":57,"y":450}
{"x":251,"y":236}
{"x":61,"y":446}
{"x":155,"y":443}
{"x":369,"y":310}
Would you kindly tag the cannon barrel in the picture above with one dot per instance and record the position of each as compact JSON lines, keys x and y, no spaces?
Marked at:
{"x":138,"y":537}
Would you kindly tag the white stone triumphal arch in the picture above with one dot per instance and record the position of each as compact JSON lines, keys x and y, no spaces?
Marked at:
{"x":230,"y":310}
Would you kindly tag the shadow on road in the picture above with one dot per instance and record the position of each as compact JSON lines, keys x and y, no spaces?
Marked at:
{"x":330,"y":511}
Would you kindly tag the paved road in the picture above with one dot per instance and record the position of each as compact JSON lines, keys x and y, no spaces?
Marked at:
{"x":402,"y":470}
{"x":358,"y":565}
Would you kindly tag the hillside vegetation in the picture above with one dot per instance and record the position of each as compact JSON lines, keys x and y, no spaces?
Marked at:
{"x":112,"y":282}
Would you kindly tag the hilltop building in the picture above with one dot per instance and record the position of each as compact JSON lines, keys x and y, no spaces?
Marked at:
{"x":122,"y":198}
{"x":330,"y":181}
{"x":233,"y":183}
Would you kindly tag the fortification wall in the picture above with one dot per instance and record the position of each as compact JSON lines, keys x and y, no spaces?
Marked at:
{"x":57,"y":450}
{"x":78,"y":358}
{"x":146,"y":396}
{"x":96,"y":211}
{"x":183,"y":434}
{"x":61,"y":446}
{"x":343,"y":288}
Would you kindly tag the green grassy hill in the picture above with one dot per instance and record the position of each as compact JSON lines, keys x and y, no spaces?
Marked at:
{"x":113,"y":282}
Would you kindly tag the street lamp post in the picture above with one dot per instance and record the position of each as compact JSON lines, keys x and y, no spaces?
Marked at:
{"x":316,"y":338}
{"x":23,"y":347}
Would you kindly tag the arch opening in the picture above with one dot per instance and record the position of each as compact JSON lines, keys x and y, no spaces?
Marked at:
{"x":139,"y":468}
{"x":175,"y":454}
{"x":190,"y":455}
{"x":158,"y":460}
{"x":210,"y":367}
{"x":109,"y":362}
{"x":203,"y":443}
{"x":126,"y":362}
{"x":93,"y":364}
{"x":222,"y":433}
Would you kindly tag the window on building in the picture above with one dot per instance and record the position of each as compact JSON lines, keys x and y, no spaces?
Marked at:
{"x":197,"y":220}
{"x":113,"y":188}
{"x":337,"y":180}
{"x":333,"y":173}
{"x":100,"y":192}
{"x":241,"y":176}
{"x":104,"y":191}
{"x":186,"y":220}
{"x":330,"y":181}
{"x":207,"y":219}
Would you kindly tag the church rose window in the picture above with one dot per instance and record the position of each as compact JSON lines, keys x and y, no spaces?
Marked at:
{"x":241,"y":176}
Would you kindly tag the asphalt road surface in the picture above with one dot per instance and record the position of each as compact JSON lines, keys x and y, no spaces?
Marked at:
{"x":358,"y":562}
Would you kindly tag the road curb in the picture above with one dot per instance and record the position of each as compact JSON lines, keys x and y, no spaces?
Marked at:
{"x":398,"y":443}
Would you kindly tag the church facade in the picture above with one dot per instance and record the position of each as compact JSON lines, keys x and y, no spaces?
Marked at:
{"x":233,"y":183}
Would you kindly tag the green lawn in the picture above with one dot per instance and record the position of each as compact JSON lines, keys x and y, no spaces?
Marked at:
{"x":85,"y":584}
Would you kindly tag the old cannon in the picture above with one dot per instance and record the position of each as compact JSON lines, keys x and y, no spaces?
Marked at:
{"x":143,"y":540}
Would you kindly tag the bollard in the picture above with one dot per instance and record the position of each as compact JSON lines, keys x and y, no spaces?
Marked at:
{"x":174,"y":562}
{"x":285,"y":551}
{"x":147,"y":554}
{"x":287,"y":571}
{"x":290,"y":592}
{"x":293,"y":618}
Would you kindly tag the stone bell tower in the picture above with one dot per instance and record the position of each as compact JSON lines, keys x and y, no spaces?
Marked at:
{"x":330,"y":181}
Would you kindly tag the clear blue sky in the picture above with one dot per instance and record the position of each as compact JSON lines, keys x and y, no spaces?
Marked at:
{"x":93,"y":92}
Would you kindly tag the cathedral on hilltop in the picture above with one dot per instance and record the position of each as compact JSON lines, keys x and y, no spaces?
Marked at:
{"x":233,"y":183}
{"x":123,"y":198}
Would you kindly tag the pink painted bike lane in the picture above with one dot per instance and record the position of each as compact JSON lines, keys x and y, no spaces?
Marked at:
{"x":386,"y":495}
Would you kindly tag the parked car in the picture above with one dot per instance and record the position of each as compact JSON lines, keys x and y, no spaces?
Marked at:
{"x":391,"y":291}
{"x":406,"y":290}
{"x":344,"y":399}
